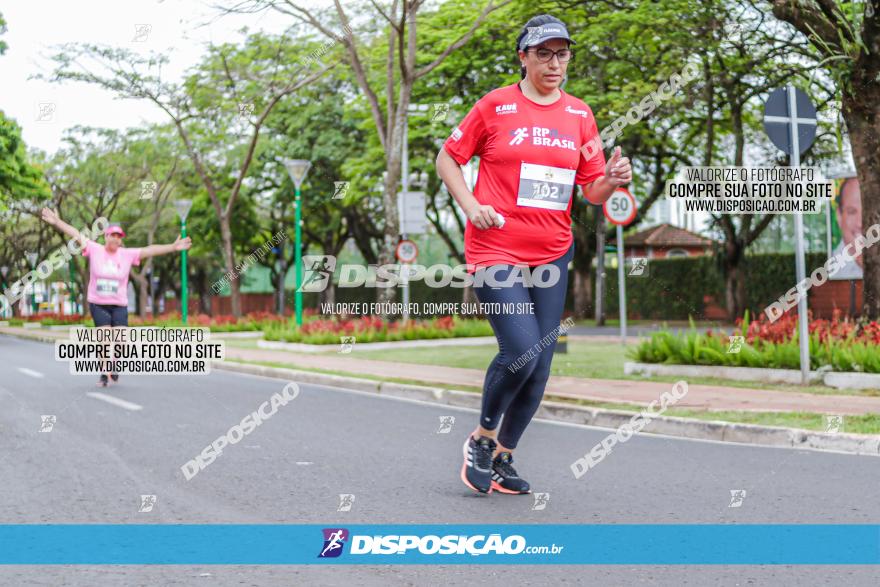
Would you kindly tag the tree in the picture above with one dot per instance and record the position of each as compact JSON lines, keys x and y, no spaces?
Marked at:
{"x":403,"y":68}
{"x":846,"y":36}
{"x":218,"y":111}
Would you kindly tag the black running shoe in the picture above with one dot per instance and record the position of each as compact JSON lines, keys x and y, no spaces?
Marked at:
{"x":504,"y":477}
{"x":114,"y":377}
{"x":476,"y":472}
{"x":102,"y":382}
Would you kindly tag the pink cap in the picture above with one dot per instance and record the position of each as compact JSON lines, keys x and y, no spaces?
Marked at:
{"x":114,"y":229}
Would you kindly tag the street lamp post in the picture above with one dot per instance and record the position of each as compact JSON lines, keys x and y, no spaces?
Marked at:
{"x":297,"y":168}
{"x":71,"y":288}
{"x":183,"y":207}
{"x":32,"y":259}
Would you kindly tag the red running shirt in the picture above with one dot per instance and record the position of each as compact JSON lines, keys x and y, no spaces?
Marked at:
{"x":530,"y":160}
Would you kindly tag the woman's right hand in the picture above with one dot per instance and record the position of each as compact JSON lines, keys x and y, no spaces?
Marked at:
{"x":49,"y":216}
{"x":483,"y":216}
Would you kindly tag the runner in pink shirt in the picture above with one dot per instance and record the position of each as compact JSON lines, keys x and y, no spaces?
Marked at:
{"x":109,"y":267}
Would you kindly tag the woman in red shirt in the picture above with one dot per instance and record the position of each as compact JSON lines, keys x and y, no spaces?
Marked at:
{"x":531,"y":138}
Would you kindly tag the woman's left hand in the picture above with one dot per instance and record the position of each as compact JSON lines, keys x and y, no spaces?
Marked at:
{"x":618,"y":171}
{"x":182,"y":244}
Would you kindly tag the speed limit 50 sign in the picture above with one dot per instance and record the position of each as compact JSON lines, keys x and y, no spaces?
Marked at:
{"x":407,"y":251}
{"x":620,"y":208}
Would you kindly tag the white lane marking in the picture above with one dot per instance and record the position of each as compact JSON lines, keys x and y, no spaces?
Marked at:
{"x":31,"y":372}
{"x":121,"y":403}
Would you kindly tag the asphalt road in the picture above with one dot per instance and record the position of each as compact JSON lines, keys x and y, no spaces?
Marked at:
{"x":100,"y":457}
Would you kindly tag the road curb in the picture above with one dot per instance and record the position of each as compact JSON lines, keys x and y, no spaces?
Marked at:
{"x":35,"y":336}
{"x":563,"y":412}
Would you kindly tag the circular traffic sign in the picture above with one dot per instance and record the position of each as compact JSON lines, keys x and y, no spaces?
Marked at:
{"x":406,"y":251}
{"x":788,"y":108}
{"x":620,"y":208}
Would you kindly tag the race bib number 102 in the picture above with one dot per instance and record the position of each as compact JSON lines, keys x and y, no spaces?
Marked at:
{"x":543,"y":186}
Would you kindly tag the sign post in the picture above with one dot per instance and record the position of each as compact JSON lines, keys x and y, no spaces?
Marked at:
{"x":297,"y":168}
{"x":620,"y":209}
{"x":183,"y":208}
{"x":790,"y":122}
{"x":32,"y":259}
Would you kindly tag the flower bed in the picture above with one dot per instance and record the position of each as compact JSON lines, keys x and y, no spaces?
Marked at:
{"x":836,"y":344}
{"x":374,"y":329}
{"x":221,"y":323}
{"x":255,"y":321}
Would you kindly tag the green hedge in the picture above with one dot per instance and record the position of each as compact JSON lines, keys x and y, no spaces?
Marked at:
{"x":673,"y":289}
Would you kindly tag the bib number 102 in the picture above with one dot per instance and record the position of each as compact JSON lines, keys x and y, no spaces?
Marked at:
{"x":544,"y":190}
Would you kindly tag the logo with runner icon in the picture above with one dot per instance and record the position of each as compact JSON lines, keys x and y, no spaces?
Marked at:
{"x":318,"y":271}
{"x":334,"y":541}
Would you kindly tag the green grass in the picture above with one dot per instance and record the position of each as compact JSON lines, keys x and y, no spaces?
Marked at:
{"x":865,"y":424}
{"x":594,"y":360}
{"x":591,"y":322}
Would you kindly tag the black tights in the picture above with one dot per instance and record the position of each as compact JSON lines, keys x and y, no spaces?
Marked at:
{"x":516,"y":378}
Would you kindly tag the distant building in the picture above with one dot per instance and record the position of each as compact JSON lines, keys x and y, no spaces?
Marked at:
{"x":665,"y":240}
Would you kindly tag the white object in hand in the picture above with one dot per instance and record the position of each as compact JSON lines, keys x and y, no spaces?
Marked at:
{"x":500,"y":220}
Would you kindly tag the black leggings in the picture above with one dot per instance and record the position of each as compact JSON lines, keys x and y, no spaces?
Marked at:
{"x":516,"y":378}
{"x":108,"y":314}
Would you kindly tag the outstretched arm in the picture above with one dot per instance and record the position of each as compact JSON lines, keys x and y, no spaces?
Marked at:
{"x":51,"y":218}
{"x":181,"y":244}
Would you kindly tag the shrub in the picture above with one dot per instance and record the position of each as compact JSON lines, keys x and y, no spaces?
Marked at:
{"x":374,"y":329}
{"x":841,"y":345}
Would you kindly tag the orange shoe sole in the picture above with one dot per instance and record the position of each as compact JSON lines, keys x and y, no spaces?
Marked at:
{"x":464,"y":469}
{"x":500,"y":489}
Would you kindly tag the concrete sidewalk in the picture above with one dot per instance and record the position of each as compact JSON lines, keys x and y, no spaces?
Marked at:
{"x":705,"y":397}
{"x":605,"y":390}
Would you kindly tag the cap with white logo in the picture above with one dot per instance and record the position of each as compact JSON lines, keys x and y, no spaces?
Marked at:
{"x":539,"y":34}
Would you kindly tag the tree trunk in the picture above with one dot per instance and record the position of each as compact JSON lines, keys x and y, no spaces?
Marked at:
{"x":142,"y":292}
{"x":734,"y":291}
{"x":229,"y":259}
{"x":582,"y":283}
{"x":600,"y":269}
{"x":200,"y":283}
{"x":389,"y":197}
{"x":863,"y":123}
{"x":328,"y":296}
{"x":468,"y":296}
{"x":582,"y":286}
{"x":279,"y":284}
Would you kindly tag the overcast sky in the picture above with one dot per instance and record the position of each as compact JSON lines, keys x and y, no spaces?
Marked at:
{"x":175,"y":28}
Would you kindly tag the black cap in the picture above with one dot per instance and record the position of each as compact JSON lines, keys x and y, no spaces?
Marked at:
{"x":545,"y":32}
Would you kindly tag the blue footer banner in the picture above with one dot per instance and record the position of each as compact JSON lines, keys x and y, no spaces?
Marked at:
{"x":279,"y":544}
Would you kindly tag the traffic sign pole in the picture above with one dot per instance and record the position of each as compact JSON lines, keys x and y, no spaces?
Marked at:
{"x":621,"y":209}
{"x":404,"y":284}
{"x":800,"y":263}
{"x":792,"y":108}
{"x":621,"y":279}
